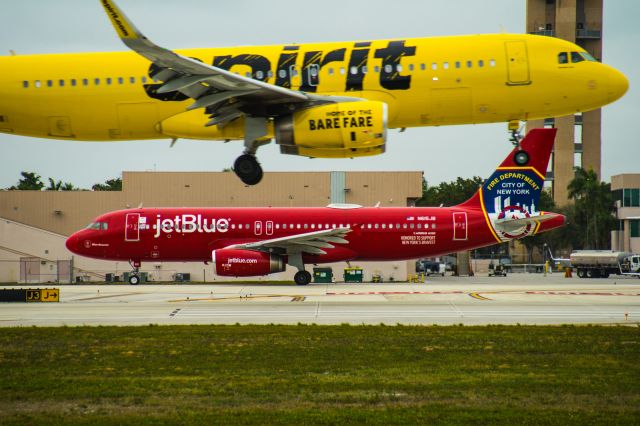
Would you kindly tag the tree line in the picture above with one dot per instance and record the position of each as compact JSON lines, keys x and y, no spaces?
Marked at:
{"x":30,"y":181}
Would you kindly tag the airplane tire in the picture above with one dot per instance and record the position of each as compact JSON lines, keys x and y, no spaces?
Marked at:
{"x":581,"y":273}
{"x":134,"y":279}
{"x":302,"y":277}
{"x":521,"y":158}
{"x":247,"y":168}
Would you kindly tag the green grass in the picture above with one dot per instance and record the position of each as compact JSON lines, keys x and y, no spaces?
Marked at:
{"x":320,"y":375}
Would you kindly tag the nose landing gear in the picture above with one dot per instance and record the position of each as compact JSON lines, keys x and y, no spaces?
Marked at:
{"x":134,"y":276}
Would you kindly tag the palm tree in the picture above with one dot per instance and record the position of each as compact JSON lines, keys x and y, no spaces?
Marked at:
{"x":593,"y":208}
{"x":29,"y":182}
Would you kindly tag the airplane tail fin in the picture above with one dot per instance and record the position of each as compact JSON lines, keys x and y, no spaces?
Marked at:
{"x":509,"y":199}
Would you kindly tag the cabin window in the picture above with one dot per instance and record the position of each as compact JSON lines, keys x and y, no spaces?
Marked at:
{"x":306,"y":226}
{"x":108,"y":80}
{"x":404,"y":226}
{"x":434,"y":66}
{"x":132,"y":80}
{"x":247,"y":74}
{"x":85,"y":81}
{"x":313,"y":226}
{"x":457,"y":64}
{"x":388,"y":69}
{"x":433,"y":226}
{"x":364,"y":70}
{"x":480,"y":63}
{"x":423,"y":67}
{"x":384,"y":226}
{"x":61,"y":83}
{"x":25,"y":84}
{"x":49,"y":83}
{"x":342,"y":71}
{"x":492,"y":63}
{"x":259,"y":75}
{"x":298,"y":226}
{"x":96,"y":81}
{"x":143,"y":80}
{"x":412,"y":226}
{"x":120,"y":80}
{"x":270,"y":74}
{"x":419,"y":226}
{"x":399,"y":68}
{"x":469,"y":64}
{"x":277,"y":226}
{"x":410,"y":67}
{"x":576,"y":57}
{"x":397,"y":226}
{"x":282,"y":73}
{"x":376,"y":69}
{"x":445,"y":65}
{"x":330,"y":71}
{"x":37,"y":84}
{"x":563,"y":58}
{"x":354,"y":70}
{"x":73,"y":82}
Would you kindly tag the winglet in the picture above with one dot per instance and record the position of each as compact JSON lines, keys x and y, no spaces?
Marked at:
{"x":123,"y":26}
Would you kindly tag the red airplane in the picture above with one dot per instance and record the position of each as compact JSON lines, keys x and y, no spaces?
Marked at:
{"x":244,"y":242}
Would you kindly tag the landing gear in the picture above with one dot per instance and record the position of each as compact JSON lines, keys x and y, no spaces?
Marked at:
{"x":521,"y":158}
{"x":302,"y":277}
{"x":134,"y":277}
{"x":248,"y":169}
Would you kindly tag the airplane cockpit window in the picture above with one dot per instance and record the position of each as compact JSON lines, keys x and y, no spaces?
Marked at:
{"x":563,"y":58}
{"x":576,"y":57}
{"x":587,"y":56}
{"x":94,"y":225}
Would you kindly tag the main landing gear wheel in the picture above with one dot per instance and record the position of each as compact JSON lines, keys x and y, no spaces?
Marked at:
{"x":248,"y":169}
{"x":521,"y":158}
{"x":134,"y":279}
{"x":302,"y":277}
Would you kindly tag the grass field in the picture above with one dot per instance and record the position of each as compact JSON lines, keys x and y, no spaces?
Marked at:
{"x":320,"y":375}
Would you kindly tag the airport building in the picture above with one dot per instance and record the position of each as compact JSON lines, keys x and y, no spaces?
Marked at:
{"x":626,"y":193}
{"x":35,"y":224}
{"x":578,"y":143}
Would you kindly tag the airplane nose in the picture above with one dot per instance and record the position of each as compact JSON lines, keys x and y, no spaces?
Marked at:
{"x":72,"y":243}
{"x":618,"y":85}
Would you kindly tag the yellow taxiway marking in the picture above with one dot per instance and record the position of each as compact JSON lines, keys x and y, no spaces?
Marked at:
{"x":478,"y":296}
{"x":107,"y":296}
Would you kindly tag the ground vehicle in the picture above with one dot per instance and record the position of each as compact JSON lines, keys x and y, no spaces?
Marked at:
{"x":430,"y":267}
{"x":602,"y":263}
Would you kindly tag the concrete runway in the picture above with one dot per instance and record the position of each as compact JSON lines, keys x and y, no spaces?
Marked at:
{"x":519,"y":298}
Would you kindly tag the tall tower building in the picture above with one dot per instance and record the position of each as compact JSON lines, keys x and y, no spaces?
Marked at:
{"x":579,"y":137}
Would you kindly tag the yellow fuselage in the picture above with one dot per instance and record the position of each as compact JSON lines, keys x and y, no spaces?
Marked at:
{"x":425,"y":82}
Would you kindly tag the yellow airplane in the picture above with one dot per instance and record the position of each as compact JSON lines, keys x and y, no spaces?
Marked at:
{"x":330,"y":100}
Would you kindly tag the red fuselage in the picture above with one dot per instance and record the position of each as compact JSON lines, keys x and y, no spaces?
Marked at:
{"x":191,"y":234}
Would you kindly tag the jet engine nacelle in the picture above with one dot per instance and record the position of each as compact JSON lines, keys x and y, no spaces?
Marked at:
{"x":336,"y":130}
{"x":246,"y":263}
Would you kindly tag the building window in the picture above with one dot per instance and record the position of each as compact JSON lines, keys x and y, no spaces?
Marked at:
{"x":634,"y":227}
{"x":631,"y":198}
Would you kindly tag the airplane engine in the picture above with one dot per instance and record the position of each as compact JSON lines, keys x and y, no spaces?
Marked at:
{"x":336,"y":130}
{"x":246,"y":263}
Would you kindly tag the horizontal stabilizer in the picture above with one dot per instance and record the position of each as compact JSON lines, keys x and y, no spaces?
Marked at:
{"x":511,"y":225}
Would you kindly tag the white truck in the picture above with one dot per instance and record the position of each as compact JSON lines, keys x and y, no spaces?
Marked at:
{"x":602,"y":263}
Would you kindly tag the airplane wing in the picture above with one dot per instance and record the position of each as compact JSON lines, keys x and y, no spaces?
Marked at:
{"x":222,"y":92}
{"x":511,"y":225}
{"x":310,"y":242}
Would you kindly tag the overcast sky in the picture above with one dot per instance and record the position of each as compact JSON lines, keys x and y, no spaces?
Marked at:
{"x":443,"y":153}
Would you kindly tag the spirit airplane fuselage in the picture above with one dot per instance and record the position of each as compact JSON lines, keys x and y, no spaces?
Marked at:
{"x":424,"y":82}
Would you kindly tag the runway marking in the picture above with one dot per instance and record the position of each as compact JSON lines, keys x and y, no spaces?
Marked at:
{"x":239,"y":297}
{"x":298,"y":299}
{"x":580,"y":293}
{"x":478,"y":296}
{"x":106,"y":297}
{"x":386,"y":293}
{"x":175,"y":312}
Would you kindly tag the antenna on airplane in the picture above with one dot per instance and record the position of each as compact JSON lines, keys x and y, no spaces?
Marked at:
{"x":12,"y":52}
{"x":377,"y":204}
{"x":173,"y":142}
{"x":140,"y":205}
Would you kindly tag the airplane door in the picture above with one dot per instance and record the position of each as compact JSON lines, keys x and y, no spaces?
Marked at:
{"x":313,"y":73}
{"x":294,"y":75}
{"x":269,"y":228}
{"x":257,"y":229}
{"x":460,"y":226}
{"x":60,"y":127}
{"x":132,"y":227}
{"x":517,"y":63}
